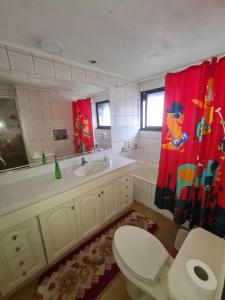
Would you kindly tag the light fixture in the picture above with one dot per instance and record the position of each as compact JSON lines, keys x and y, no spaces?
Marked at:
{"x":50,"y":46}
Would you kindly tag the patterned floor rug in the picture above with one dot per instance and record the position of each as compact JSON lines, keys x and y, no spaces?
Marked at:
{"x":85,"y":272}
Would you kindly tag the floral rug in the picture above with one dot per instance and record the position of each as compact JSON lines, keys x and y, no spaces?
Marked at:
{"x":85,"y":272}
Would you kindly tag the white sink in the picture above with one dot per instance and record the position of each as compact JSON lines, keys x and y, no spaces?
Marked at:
{"x":91,"y":168}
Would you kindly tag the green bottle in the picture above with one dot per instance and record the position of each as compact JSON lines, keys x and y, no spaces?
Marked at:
{"x":58,"y":174}
{"x":43,"y":158}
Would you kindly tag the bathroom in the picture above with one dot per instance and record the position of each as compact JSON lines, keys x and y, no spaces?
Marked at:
{"x":112,"y":150}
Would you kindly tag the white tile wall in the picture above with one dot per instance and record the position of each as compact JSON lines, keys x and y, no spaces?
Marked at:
{"x":62,"y":71}
{"x":4,"y":62}
{"x":91,"y":77}
{"x":44,"y":67}
{"x":21,"y":62}
{"x":103,"y":80}
{"x":27,"y":62}
{"x":151,"y":140}
{"x":124,"y":111}
{"x":40,"y":112}
{"x":78,"y":74}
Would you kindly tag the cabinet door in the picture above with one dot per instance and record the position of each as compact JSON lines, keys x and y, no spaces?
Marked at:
{"x":59,"y":230}
{"x":86,"y":213}
{"x":110,"y":201}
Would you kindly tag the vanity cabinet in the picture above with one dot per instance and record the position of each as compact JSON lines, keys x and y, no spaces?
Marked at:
{"x":21,"y":254}
{"x":59,"y":230}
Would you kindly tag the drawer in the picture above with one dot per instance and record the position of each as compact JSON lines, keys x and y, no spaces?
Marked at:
{"x":14,"y":243}
{"x":20,"y":265}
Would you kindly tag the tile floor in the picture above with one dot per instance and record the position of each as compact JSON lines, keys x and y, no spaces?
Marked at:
{"x":116,"y":290}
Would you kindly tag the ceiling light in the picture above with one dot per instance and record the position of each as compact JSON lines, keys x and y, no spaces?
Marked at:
{"x":51,"y":46}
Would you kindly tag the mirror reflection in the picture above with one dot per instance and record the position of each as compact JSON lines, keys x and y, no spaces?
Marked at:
{"x":38,"y":124}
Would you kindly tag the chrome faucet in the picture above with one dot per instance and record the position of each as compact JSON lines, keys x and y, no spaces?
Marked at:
{"x":83,"y":161}
{"x":3,"y":161}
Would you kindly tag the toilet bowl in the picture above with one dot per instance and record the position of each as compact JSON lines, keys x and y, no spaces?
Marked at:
{"x":144,"y":261}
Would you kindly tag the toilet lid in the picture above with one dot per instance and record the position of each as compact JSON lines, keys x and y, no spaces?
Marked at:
{"x":142,"y":253}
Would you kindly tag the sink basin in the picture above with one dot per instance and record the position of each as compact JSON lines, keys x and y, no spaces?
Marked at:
{"x":91,"y":168}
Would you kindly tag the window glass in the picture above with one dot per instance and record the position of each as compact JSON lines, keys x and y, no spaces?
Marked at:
{"x":155,"y":102}
{"x":103,"y":114}
{"x":152,"y":103}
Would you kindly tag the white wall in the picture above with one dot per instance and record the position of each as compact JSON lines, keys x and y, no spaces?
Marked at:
{"x":40,"y":112}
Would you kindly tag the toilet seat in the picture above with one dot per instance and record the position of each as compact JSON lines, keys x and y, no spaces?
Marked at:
{"x":141,"y":252}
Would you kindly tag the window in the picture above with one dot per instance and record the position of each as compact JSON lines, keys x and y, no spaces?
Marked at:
{"x":103,"y":114}
{"x":152,"y":103}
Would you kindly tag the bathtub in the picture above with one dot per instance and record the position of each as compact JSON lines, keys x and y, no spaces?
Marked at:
{"x":145,"y":179}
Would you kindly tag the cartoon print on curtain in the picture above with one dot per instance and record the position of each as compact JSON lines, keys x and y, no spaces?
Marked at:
{"x":191,"y":170}
{"x":82,"y":124}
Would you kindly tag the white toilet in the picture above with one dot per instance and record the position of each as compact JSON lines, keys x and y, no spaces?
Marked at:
{"x":151,"y":273}
{"x":144,"y":261}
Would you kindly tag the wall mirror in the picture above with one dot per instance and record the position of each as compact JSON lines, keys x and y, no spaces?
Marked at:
{"x":56,"y":122}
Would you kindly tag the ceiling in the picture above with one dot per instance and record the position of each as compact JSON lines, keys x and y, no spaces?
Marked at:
{"x":133,"y":38}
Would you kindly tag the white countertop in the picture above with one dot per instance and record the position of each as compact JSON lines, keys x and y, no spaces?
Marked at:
{"x":25,"y":187}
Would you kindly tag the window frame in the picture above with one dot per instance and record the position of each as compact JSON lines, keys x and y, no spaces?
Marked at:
{"x":144,"y":96}
{"x":97,"y":114}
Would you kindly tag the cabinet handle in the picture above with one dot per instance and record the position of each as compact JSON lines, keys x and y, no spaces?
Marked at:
{"x":102,"y":192}
{"x":127,"y":196}
{"x":127,"y":179}
{"x":127,"y":186}
{"x":24,"y":273}
{"x":72,"y":207}
{"x":17,"y":249}
{"x":21,"y":263}
{"x":14,"y":237}
{"x":99,"y":195}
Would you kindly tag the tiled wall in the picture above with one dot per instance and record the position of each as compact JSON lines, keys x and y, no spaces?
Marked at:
{"x":40,"y":112}
{"x":102,"y":136}
{"x":7,"y":91}
{"x":150,"y":141}
{"x":124,"y":109}
{"x":49,"y":68}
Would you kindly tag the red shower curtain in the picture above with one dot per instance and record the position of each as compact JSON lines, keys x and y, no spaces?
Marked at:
{"x":82,"y":124}
{"x":191,"y":177}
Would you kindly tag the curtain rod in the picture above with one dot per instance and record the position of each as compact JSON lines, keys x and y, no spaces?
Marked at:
{"x":170,"y":70}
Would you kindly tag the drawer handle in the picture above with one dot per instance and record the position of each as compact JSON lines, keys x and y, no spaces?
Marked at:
{"x":14,"y":237}
{"x":21,"y":263}
{"x":24,"y":273}
{"x":72,"y":207}
{"x":127,"y":186}
{"x":17,"y":249}
{"x":127,"y":196}
{"x":99,"y":195}
{"x":127,"y":179}
{"x":102,"y":192}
